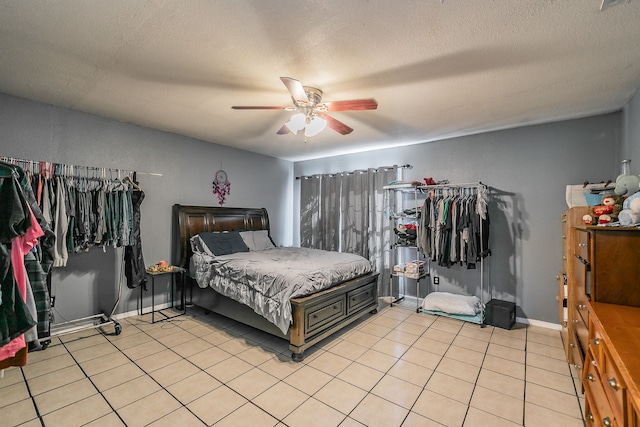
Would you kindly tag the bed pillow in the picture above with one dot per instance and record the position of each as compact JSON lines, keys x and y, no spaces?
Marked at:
{"x":257,"y":240}
{"x":224,"y":243}
{"x":452,"y":303}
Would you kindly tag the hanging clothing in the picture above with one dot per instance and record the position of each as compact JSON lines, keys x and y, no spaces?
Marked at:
{"x":20,"y":245}
{"x":134,"y":267}
{"x":454,"y":229}
{"x":16,"y":220}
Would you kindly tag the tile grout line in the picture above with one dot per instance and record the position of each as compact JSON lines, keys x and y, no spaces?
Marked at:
{"x":91,"y":381}
{"x":239,"y":334}
{"x":201,"y":370}
{"x":33,"y":399}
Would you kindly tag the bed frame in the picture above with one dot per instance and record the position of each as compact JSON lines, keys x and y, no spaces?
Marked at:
{"x":315,"y":317}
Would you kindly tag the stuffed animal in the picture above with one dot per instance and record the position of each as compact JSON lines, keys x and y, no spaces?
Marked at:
{"x":630,"y":214}
{"x":627,"y":185}
{"x":605,"y":213}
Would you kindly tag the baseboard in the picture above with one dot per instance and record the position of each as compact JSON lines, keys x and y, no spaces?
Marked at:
{"x":136,"y":312}
{"x":539,"y":323}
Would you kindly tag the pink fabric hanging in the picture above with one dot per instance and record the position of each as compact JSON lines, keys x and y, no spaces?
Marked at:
{"x":19,"y":247}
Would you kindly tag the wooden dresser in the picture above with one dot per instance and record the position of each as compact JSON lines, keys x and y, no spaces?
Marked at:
{"x":566,"y":298}
{"x":612,"y":369}
{"x":601,"y":268}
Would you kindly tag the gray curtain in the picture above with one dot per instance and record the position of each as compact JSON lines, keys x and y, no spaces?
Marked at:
{"x":379,"y":228}
{"x":355,"y":212}
{"x":310,"y":227}
{"x":330,"y":213}
{"x":347,"y":212}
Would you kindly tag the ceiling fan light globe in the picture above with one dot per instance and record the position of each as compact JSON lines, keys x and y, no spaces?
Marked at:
{"x":316,"y":126}
{"x":296,"y":122}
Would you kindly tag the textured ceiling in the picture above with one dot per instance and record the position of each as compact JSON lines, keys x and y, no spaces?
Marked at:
{"x":437,"y":69}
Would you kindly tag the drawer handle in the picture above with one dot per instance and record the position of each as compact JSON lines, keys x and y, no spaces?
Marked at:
{"x":572,"y":345}
{"x":575,"y":320}
{"x":590,"y":377}
{"x":315,"y":316}
{"x":582,"y":306}
{"x":594,"y":363}
{"x":606,"y":422}
{"x":596,"y":341}
{"x":335,"y":307}
{"x":577,"y":366}
{"x":582,"y":245}
{"x":590,"y":416}
{"x":613,"y":384}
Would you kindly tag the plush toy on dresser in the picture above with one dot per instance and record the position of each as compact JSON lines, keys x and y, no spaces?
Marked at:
{"x":606,"y":212}
{"x":629,"y":185}
{"x":630,"y":214}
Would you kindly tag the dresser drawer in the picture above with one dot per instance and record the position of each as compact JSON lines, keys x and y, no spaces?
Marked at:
{"x":596,"y":345}
{"x":582,"y":245}
{"x":360,"y":298}
{"x":599,"y":406}
{"x":613,"y":383}
{"x":325,"y":314}
{"x":576,"y":357}
{"x":581,"y":283}
{"x":580,"y":328}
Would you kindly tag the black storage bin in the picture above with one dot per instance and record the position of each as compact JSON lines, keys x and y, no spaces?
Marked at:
{"x":500,"y":313}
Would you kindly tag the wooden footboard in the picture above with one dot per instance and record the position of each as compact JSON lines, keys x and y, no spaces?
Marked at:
{"x":317,"y":316}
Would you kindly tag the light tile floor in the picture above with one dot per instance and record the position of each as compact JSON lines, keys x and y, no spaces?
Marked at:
{"x":395,"y":368}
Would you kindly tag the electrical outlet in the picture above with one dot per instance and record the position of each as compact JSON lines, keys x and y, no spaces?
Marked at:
{"x":436,"y":280}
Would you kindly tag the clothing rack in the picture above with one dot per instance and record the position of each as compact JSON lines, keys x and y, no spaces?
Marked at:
{"x":48,"y":171}
{"x":481,"y":191}
{"x":37,"y":166}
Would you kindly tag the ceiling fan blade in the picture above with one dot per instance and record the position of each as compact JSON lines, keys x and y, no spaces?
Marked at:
{"x":296,"y":89}
{"x":352,"y":105}
{"x":257,"y":107}
{"x":283,"y":130}
{"x":336,"y":125}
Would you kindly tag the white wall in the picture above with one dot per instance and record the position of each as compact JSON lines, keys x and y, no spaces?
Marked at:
{"x":528,"y":169}
{"x":37,"y":131}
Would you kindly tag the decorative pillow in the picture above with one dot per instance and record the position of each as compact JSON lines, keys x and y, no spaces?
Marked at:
{"x":452,"y":303}
{"x":224,"y":243}
{"x":257,"y":240}
{"x":197,"y":245}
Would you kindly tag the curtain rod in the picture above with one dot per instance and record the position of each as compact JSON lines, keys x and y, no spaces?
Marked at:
{"x":15,"y":160}
{"x":407,"y":166}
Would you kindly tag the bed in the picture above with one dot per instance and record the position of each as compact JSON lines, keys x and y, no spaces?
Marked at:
{"x":313,"y":317}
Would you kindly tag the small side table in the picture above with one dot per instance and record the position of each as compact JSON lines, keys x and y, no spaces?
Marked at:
{"x":175,"y":271}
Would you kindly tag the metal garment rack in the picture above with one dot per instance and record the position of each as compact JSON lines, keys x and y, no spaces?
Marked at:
{"x":98,"y":320}
{"x":480,"y":188}
{"x":50,"y":169}
{"x":399,"y":191}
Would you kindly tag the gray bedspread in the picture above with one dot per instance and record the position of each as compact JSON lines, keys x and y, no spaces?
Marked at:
{"x":267,"y":280}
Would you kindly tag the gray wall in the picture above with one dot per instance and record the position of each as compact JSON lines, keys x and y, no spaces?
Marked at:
{"x":88,"y":285}
{"x":528,"y":169}
{"x":631,"y":133}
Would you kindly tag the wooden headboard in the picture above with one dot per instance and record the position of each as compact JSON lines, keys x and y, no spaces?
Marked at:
{"x":191,"y":220}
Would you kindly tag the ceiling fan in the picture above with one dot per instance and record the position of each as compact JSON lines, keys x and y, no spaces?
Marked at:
{"x":312,"y":112}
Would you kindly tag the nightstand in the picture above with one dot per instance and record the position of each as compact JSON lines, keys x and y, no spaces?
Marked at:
{"x":176,"y":285}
